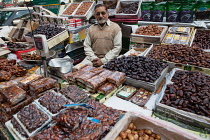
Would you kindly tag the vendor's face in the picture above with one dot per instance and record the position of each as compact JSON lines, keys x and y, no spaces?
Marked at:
{"x":101,"y":14}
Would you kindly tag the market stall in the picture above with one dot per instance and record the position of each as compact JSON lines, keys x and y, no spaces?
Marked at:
{"x":158,"y":89}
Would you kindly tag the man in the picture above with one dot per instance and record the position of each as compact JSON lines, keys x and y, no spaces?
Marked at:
{"x":104,"y":39}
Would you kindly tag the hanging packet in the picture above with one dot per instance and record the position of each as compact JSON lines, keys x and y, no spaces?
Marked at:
{"x":172,"y":12}
{"x":158,"y":11}
{"x":146,"y":11}
{"x":187,"y":12}
{"x":202,"y":11}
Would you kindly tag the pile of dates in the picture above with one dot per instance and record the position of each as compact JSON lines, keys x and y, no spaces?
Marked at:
{"x":16,"y":46}
{"x":32,"y":117}
{"x":129,"y":9}
{"x":202,"y":39}
{"x":181,"y":54}
{"x":32,"y":56}
{"x":83,"y":8}
{"x":189,"y":92}
{"x":71,"y":9}
{"x":138,"y":67}
{"x":46,"y":30}
{"x":151,"y":30}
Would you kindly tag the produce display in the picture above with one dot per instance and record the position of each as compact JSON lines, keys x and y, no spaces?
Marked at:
{"x":9,"y":66}
{"x":181,"y":54}
{"x":129,"y":9}
{"x":150,"y":30}
{"x":74,"y":93}
{"x":84,"y":77}
{"x":32,"y":117}
{"x":138,"y":67}
{"x":27,"y":80}
{"x":46,"y":30}
{"x":18,"y":127}
{"x":95,"y":82}
{"x":54,"y":103}
{"x":83,"y":8}
{"x":17,"y":46}
{"x":132,"y":133}
{"x":189,"y":92}
{"x":141,"y":97}
{"x":202,"y":39}
{"x":71,"y":9}
{"x":32,"y":56}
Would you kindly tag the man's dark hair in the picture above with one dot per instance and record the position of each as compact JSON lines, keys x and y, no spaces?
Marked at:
{"x":100,"y":5}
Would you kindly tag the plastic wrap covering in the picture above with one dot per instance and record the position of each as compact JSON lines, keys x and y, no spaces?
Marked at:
{"x":79,"y":67}
{"x":74,"y":93}
{"x":116,"y":78}
{"x":32,"y":117}
{"x":126,"y":92}
{"x":95,"y":82}
{"x":71,"y":76}
{"x":97,"y":70}
{"x":88,"y":130}
{"x":141,"y":97}
{"x":71,"y":118}
{"x":84,"y":77}
{"x":105,"y":73}
{"x":87,"y":68}
{"x":106,"y":88}
{"x":8,"y":84}
{"x":4,"y":117}
{"x":18,"y":127}
{"x":5,"y":62}
{"x":10,"y":109}
{"x":54,"y":103}
{"x":13,"y":94}
{"x":24,"y":83}
{"x":5,"y":76}
{"x":42,"y":85}
{"x":52,"y":133}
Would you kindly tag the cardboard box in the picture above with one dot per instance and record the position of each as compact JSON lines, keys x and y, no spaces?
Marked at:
{"x":164,"y":129}
{"x":136,"y":38}
{"x":13,"y":31}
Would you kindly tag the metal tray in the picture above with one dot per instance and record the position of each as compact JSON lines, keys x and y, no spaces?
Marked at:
{"x":180,"y":115}
{"x":146,"y":85}
{"x":137,"y":15}
{"x":89,"y":12}
{"x":149,"y":39}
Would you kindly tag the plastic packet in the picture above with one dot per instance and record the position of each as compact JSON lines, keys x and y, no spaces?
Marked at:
{"x":78,"y":67}
{"x":84,"y":77}
{"x":105,"y":73}
{"x":158,"y":11}
{"x":126,"y":92}
{"x":176,"y":39}
{"x":184,"y":39}
{"x":95,"y":82}
{"x":106,"y":88}
{"x":187,"y":12}
{"x":42,"y":85}
{"x":24,"y":83}
{"x":141,"y":97}
{"x":146,"y":11}
{"x":116,"y":78}
{"x":169,"y":38}
{"x":13,"y":94}
{"x":74,"y":93}
{"x":5,"y":75}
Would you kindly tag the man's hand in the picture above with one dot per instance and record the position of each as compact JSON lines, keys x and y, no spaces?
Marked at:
{"x":97,"y":62}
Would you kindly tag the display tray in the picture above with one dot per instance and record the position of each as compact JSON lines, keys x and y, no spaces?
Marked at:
{"x":183,"y":66}
{"x":65,"y":15}
{"x":189,"y":39}
{"x":180,"y":115}
{"x":146,"y":85}
{"x":56,"y":94}
{"x":159,"y":127}
{"x":137,"y":15}
{"x":89,"y":12}
{"x":148,"y":39}
{"x":54,"y":40}
{"x":193,"y":37}
{"x":37,"y":129}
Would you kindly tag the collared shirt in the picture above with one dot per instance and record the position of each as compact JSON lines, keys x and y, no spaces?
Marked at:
{"x":112,"y":53}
